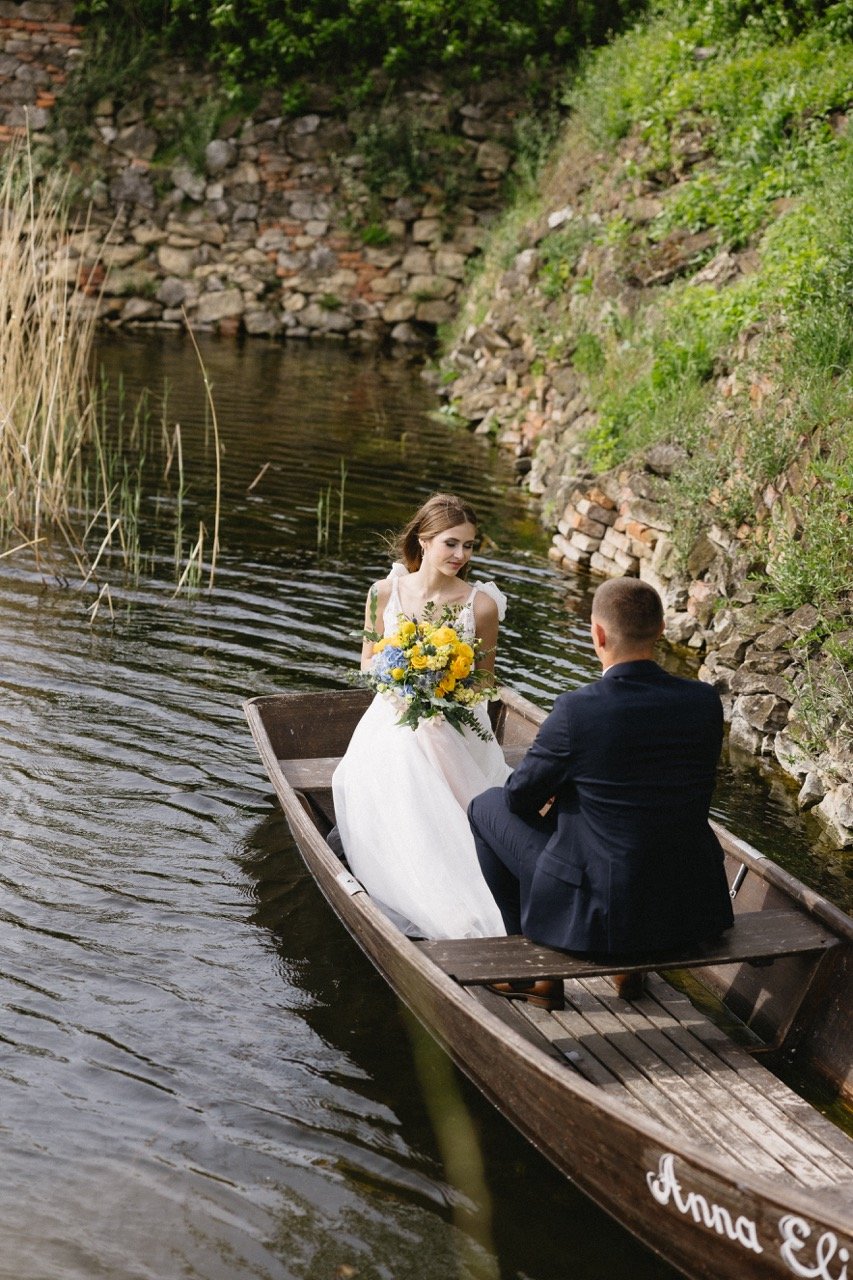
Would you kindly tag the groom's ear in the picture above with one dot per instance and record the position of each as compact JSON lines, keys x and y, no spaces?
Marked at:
{"x":599,"y":636}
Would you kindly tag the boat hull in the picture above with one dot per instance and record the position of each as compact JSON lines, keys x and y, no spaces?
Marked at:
{"x":700,"y":1214}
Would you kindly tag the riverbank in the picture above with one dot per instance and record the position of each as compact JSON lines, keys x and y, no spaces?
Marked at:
{"x":660,"y":333}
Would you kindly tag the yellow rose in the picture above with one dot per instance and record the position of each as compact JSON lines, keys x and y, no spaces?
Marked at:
{"x":398,"y":673}
{"x":459,"y":668}
{"x":380,"y":645}
{"x":419,"y":660}
{"x":406,"y":631}
{"x":465,"y":651}
{"x":443,"y":635}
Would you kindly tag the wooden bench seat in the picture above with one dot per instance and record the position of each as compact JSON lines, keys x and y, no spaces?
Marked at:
{"x":315,"y":772}
{"x":756,"y":936}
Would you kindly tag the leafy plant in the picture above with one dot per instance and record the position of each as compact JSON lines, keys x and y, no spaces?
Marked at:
{"x":114,"y":67}
{"x":374,"y":234}
{"x":275,"y":41}
{"x":588,"y":356}
{"x":395,"y":152}
{"x":824,"y":705}
{"x":559,"y":254}
{"x":809,"y":564}
{"x":189,"y":130}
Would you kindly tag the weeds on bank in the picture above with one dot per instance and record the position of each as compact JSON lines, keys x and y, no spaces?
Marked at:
{"x":657,"y":374}
{"x":737,"y":126}
{"x":116,"y":64}
{"x":824,"y":702}
{"x":733,"y":117}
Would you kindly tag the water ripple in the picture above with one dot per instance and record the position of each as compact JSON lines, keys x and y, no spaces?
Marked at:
{"x":202,"y":1075}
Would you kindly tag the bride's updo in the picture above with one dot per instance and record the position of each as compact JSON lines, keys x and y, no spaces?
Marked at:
{"x":441,"y":511}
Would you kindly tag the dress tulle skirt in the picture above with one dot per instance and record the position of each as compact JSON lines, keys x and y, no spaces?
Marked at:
{"x":400,"y":804}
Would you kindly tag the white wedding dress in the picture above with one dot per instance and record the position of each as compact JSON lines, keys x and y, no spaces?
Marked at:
{"x":400,"y":804}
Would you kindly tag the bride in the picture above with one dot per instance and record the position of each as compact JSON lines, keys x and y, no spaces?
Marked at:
{"x":401,"y":795}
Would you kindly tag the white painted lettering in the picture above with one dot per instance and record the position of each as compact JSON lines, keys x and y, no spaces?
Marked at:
{"x":665,"y":1187}
{"x":747,"y":1235}
{"x":795,"y":1233}
{"x":662,"y":1184}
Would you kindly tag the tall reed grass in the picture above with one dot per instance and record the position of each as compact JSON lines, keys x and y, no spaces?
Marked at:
{"x":46,"y":402}
{"x":75,"y":459}
{"x":324,"y":511}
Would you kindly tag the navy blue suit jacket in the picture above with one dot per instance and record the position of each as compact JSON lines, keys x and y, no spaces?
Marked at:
{"x":632,"y":863}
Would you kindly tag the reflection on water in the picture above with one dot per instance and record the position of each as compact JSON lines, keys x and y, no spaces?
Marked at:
{"x":201,"y":1074}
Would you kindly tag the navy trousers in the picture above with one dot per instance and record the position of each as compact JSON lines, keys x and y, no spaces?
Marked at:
{"x":508,"y":848}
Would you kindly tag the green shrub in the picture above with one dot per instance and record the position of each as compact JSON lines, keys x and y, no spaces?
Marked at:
{"x":115,"y":66}
{"x":374,"y":234}
{"x":272,"y":41}
{"x":188,"y":131}
{"x":558,"y":256}
{"x":588,"y":355}
{"x":810,"y":565}
{"x":395,"y":151}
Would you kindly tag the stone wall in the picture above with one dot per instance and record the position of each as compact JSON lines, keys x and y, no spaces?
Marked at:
{"x":764,"y":668}
{"x":277,"y":226}
{"x":271,"y":232}
{"x":38,"y":47}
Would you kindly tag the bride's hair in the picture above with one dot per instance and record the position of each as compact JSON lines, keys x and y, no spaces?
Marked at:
{"x":441,"y":511}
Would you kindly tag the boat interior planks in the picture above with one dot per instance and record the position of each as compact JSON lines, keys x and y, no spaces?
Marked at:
{"x":657,"y":1052}
{"x":747,"y":1084}
{"x":808,"y":1121}
{"x":511,"y":1015}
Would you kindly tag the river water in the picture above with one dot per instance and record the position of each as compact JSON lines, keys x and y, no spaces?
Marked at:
{"x":201,"y":1075}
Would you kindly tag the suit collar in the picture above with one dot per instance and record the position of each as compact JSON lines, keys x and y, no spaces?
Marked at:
{"x":642,"y":669}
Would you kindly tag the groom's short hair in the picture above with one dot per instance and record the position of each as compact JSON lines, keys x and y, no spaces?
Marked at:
{"x":630,"y":609}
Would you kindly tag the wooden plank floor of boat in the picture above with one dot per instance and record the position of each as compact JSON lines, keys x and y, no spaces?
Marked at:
{"x":663,"y":1056}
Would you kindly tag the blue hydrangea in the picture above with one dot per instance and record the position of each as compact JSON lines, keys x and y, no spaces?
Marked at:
{"x":384,"y":663}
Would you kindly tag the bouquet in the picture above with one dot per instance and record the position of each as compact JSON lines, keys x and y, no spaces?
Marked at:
{"x":431,"y":669}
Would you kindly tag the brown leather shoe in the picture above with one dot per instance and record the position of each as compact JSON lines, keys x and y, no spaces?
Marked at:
{"x":545,"y":993}
{"x":629,"y":986}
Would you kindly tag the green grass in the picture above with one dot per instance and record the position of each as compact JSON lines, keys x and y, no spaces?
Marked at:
{"x":734,"y":118}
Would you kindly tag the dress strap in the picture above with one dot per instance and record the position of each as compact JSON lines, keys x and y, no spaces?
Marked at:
{"x":394,"y":607}
{"x":490,"y":590}
{"x":397,"y":571}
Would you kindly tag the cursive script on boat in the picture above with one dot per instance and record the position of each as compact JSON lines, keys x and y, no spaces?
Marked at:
{"x":804,"y":1252}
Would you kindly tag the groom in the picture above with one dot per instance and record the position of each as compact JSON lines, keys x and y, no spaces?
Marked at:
{"x":599,"y":842}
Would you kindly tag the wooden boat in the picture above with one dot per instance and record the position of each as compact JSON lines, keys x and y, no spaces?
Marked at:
{"x":674,"y":1126}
